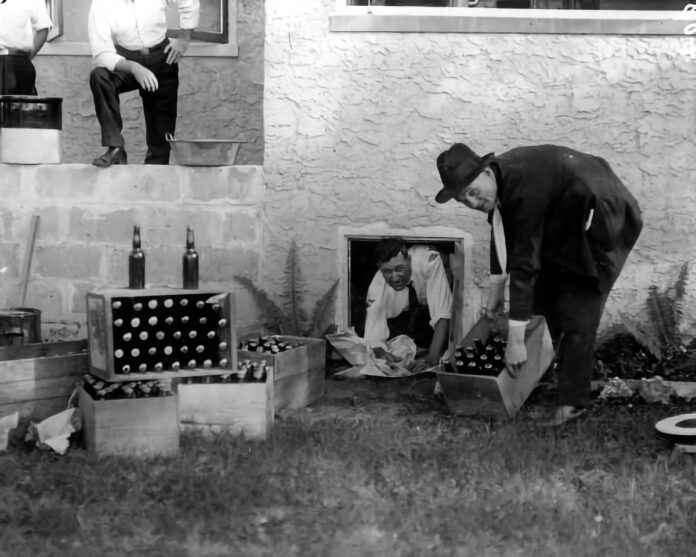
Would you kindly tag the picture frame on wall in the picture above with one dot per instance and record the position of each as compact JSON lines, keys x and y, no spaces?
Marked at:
{"x":55,"y":12}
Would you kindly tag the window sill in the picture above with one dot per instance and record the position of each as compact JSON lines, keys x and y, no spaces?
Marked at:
{"x":488,"y":20}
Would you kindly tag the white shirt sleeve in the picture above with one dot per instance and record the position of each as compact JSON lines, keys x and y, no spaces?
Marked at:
{"x":39,"y":16}
{"x":438,"y":290}
{"x":189,"y":13}
{"x":100,"y":42}
{"x":376,"y":328}
{"x":497,"y":279}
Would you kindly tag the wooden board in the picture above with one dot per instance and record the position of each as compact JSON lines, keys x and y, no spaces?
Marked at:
{"x":38,"y":387}
{"x":299,"y":373}
{"x":240,"y":408}
{"x":501,"y":395}
{"x":136,"y":427}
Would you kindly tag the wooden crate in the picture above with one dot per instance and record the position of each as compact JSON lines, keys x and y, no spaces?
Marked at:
{"x":37,"y":379}
{"x":299,"y":374}
{"x":501,"y":395}
{"x":135,"y":427}
{"x":112,"y":315}
{"x":239,"y":408}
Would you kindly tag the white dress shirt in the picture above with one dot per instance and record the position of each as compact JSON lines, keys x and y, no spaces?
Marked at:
{"x":132,"y":24}
{"x":19,"y":20}
{"x":430,"y":283}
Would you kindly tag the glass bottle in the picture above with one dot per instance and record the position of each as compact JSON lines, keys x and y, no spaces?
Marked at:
{"x":136,"y":262}
{"x":190,"y":262}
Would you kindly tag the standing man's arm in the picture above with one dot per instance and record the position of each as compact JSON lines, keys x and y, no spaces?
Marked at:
{"x":439,"y":295}
{"x":188,"y":21}
{"x":39,"y":41}
{"x":437,"y":345}
{"x":104,"y":50}
{"x":40,"y":24}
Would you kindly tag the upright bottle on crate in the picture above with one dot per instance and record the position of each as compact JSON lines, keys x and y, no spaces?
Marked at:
{"x":190,"y":262}
{"x":136,"y":262}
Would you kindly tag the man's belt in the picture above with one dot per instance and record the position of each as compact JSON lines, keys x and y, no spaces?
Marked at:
{"x":144,"y":50}
{"x":4,"y":51}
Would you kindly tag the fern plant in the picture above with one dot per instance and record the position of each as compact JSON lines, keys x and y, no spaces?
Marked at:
{"x":290,"y":317}
{"x":661,"y":335}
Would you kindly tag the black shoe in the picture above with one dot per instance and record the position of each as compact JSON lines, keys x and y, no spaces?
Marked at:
{"x":113,"y":155}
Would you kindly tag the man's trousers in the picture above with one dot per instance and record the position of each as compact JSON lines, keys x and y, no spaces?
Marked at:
{"x":159,"y":107}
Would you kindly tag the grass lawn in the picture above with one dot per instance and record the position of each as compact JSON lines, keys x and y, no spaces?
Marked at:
{"x":382,"y":471}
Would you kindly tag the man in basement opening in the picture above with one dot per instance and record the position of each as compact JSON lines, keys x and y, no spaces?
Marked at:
{"x":562,"y":226}
{"x":131,"y":51}
{"x":24,"y":26}
{"x":409,"y":295}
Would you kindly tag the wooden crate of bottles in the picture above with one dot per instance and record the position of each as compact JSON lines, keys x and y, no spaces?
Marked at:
{"x":138,"y":418}
{"x":476,"y":382}
{"x":159,"y":333}
{"x":299,"y":366}
{"x":240,"y":403}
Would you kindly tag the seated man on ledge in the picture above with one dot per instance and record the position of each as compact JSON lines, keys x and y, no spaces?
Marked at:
{"x":130,"y":48}
{"x":409,"y":295}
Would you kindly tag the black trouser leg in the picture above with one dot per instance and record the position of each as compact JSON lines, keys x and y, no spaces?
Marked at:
{"x":160,"y":109}
{"x":17,"y":75}
{"x":106,"y":87}
{"x":572,"y":307}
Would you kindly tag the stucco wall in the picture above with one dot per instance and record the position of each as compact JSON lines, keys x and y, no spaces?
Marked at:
{"x":218,"y":97}
{"x":354,"y":122}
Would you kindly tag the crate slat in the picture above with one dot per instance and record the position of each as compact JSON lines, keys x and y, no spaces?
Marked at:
{"x":240,"y":408}
{"x":16,"y":371}
{"x":42,"y":350}
{"x":38,"y":409}
{"x":27,"y":391}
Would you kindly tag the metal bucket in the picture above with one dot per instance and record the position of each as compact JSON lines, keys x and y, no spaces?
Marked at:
{"x":20,"y":326}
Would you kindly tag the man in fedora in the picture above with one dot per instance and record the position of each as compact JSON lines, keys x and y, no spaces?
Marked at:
{"x":562,"y":226}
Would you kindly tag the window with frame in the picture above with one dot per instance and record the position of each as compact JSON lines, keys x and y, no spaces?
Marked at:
{"x":611,"y":17}
{"x":640,"y":5}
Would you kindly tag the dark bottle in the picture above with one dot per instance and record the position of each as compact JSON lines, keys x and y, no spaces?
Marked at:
{"x":260,"y":372}
{"x":190,"y":262}
{"x":136,"y":262}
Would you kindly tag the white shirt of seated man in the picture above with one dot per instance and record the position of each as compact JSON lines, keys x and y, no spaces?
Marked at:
{"x":430,"y":283}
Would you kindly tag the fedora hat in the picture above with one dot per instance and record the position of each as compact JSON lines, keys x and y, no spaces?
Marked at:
{"x":458,"y":167}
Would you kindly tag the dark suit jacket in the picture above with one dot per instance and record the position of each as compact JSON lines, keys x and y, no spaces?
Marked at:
{"x":546,"y":194}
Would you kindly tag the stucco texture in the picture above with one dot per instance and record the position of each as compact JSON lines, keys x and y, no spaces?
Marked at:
{"x":354,"y":122}
{"x":218,"y":97}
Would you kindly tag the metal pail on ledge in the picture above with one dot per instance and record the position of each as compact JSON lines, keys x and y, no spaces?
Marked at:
{"x":20,"y":326}
{"x":30,"y":129}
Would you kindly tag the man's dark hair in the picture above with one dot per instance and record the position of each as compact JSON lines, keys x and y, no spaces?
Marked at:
{"x":390,"y":247}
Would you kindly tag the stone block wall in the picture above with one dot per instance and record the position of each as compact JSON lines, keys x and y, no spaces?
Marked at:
{"x":86,"y":219}
{"x":354,"y":122}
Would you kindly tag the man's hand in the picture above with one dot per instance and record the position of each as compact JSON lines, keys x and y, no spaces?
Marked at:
{"x":516,"y":351}
{"x":420,"y":365}
{"x":382,"y":354}
{"x":145,"y":78}
{"x":175,"y":50}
